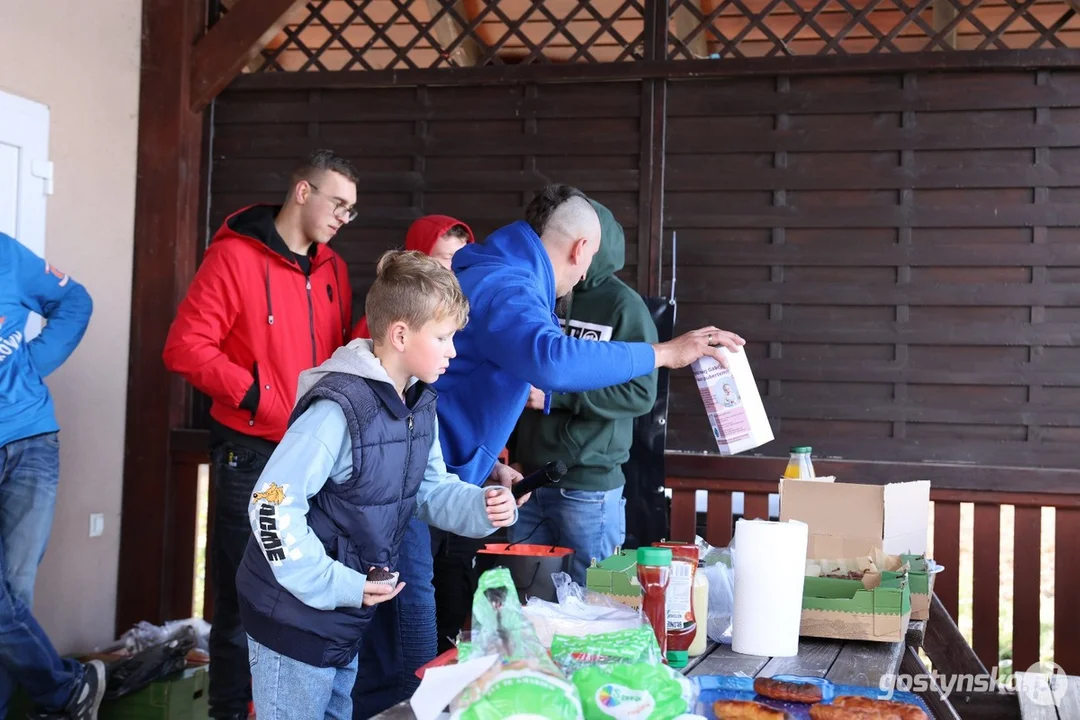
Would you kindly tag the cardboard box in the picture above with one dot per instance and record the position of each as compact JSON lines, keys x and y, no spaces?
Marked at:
{"x":920,"y":574}
{"x":616,"y":577}
{"x":844,"y":609}
{"x":847,"y":520}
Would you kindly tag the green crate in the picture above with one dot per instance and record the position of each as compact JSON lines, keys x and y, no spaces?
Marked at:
{"x":180,"y":696}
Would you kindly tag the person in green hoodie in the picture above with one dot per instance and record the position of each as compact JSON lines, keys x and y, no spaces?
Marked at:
{"x":591,"y":431}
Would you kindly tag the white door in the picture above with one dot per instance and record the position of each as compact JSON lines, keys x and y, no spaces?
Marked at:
{"x":25,"y":176}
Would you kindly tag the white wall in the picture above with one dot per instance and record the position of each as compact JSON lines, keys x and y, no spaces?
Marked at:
{"x":82,"y":60}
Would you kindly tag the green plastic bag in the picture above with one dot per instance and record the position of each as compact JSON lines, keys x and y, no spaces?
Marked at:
{"x":620,"y":675}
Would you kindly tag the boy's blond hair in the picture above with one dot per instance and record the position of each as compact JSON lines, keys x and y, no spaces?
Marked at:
{"x":415,"y":289}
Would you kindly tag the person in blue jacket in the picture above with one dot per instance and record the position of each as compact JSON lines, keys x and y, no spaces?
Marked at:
{"x":513,"y":341}
{"x":29,"y":474}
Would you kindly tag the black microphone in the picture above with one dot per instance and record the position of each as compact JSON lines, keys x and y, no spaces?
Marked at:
{"x":551,"y":473}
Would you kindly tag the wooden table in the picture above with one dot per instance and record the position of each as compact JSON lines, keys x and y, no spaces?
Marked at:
{"x":1030,"y":686}
{"x":840,"y":661}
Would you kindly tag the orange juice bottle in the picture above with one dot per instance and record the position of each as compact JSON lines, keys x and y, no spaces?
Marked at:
{"x":799,"y":466}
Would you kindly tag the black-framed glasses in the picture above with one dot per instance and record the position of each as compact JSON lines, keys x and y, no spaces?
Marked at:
{"x":342,"y":209}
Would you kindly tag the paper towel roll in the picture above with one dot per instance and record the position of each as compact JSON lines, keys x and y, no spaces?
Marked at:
{"x":770,"y":564}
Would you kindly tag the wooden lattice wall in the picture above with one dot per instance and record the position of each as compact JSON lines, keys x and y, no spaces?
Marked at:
{"x":421,"y":34}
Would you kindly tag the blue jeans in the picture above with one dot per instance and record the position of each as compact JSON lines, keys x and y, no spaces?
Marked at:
{"x":589,"y":522}
{"x":29,"y":473}
{"x":287,"y":689}
{"x":401,"y":637}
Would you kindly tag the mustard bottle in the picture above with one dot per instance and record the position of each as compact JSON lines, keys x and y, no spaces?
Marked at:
{"x":701,"y":612}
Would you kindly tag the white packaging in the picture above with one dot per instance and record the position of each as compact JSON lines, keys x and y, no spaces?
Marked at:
{"x":732,"y":403}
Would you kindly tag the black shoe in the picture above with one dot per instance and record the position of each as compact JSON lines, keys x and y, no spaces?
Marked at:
{"x":86,"y":699}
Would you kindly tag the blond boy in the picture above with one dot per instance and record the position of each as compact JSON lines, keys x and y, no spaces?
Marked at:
{"x":360,"y":458}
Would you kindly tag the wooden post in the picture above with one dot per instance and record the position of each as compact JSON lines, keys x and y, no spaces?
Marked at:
{"x":179,"y":79}
{"x":166,"y":234}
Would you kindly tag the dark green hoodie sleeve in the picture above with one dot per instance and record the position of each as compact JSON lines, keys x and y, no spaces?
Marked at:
{"x":630,"y":399}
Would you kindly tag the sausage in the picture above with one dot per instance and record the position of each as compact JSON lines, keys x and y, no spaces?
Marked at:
{"x":903,"y":711}
{"x":746,"y":710}
{"x":851,"y":707}
{"x":787,"y":691}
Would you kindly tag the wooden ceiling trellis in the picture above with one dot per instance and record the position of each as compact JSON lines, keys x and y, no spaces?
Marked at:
{"x":328,"y":35}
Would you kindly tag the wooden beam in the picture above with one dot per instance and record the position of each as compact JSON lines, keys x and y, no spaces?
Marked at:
{"x":938,"y":702}
{"x":945,"y":645}
{"x":686,"y":21}
{"x":169,"y":172}
{"x":232,"y":43}
{"x":448,"y":29}
{"x":944,"y":13}
{"x":983,"y":479}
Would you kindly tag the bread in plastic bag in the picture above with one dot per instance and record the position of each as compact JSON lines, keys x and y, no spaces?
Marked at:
{"x":578,"y":612}
{"x":524,"y":682}
{"x":621,"y":675}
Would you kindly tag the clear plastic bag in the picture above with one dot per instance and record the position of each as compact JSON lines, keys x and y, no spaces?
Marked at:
{"x":578,"y":612}
{"x":719,"y":569}
{"x":144,"y":635}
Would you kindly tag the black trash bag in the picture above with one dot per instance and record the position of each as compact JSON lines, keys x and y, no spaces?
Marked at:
{"x":134,"y":673}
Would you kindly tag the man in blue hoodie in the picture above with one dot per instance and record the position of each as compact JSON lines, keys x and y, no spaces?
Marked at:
{"x":513,"y":341}
{"x":29,"y":474}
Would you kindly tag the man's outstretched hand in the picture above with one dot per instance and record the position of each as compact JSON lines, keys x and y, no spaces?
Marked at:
{"x":696,"y":344}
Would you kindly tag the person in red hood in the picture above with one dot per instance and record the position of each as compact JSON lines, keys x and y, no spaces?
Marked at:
{"x":410,"y":624}
{"x":269,"y":301}
{"x":439,"y":236}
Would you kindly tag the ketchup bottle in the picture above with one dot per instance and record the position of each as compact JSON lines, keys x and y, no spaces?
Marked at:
{"x":654,"y":574}
{"x":682,"y":624}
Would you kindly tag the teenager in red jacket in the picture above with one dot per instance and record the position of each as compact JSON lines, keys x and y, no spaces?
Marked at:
{"x":439,"y":236}
{"x":269,"y":301}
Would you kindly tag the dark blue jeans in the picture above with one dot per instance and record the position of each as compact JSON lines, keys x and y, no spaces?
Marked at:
{"x":401,"y":637}
{"x":29,"y":473}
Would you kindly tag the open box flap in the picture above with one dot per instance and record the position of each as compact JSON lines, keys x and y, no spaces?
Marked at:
{"x":907,"y":518}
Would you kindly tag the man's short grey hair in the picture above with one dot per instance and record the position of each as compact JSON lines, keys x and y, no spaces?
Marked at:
{"x":561,"y":212}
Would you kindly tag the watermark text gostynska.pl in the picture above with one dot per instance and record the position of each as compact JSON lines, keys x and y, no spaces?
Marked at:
{"x":1044,"y":683}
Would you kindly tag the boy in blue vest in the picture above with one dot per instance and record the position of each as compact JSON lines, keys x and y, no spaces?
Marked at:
{"x":360,"y":458}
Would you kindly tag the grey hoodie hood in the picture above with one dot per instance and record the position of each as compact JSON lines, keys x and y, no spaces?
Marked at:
{"x":357,"y":358}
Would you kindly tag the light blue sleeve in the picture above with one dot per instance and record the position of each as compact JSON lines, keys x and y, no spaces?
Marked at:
{"x":446,"y":502}
{"x":316,"y":448}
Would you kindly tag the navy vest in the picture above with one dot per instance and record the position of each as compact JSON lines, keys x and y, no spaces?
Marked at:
{"x":361,"y":522}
